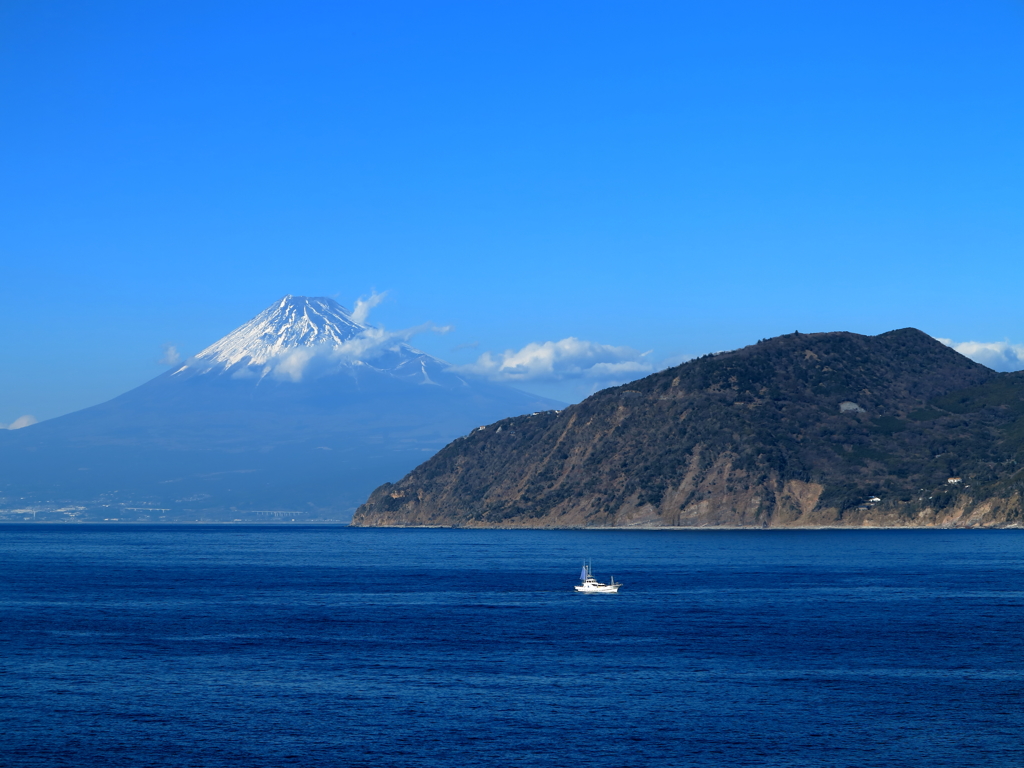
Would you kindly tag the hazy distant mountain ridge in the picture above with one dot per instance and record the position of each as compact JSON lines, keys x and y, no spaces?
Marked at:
{"x":799,"y":430}
{"x":302,"y":409}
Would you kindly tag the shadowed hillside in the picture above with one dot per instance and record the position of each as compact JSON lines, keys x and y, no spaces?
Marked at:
{"x":799,"y":430}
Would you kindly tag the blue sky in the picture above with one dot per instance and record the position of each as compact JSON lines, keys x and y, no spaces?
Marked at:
{"x":669,"y":177}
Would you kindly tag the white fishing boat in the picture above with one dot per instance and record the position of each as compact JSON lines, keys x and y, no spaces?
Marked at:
{"x":590,"y":584}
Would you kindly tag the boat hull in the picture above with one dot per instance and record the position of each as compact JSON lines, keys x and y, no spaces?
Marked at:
{"x":589,"y":584}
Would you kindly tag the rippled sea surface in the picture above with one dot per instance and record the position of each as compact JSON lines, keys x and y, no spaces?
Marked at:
{"x":330,"y":646}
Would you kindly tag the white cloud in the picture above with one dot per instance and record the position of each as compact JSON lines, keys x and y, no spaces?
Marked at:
{"x":998,"y":355}
{"x":21,"y":421}
{"x":569,"y":358}
{"x":292,"y":364}
{"x":371,"y":343}
{"x":363,"y":306}
{"x":171,"y":355}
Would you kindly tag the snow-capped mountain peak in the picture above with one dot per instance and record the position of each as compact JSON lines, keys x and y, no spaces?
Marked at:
{"x":292,"y":322}
{"x":298,"y":337}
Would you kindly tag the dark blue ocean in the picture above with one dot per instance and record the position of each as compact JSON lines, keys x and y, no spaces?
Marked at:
{"x":133,"y":645}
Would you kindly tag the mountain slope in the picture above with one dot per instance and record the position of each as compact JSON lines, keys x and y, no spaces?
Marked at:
{"x":797,"y":430}
{"x":301,"y":410}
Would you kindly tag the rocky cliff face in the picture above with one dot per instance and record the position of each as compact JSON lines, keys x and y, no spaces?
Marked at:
{"x":800,"y":430}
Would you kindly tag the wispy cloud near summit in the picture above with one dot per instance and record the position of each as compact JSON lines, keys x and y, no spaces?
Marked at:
{"x":171,"y":356}
{"x":371,"y":343}
{"x":363,"y":306}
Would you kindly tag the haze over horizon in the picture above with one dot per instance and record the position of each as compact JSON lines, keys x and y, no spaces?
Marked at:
{"x":558,"y":197}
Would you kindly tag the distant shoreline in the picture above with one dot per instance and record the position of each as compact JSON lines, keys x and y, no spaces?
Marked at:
{"x":511,"y":528}
{"x":712,"y":528}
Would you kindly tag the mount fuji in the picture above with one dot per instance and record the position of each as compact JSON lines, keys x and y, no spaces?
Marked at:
{"x":299,"y":413}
